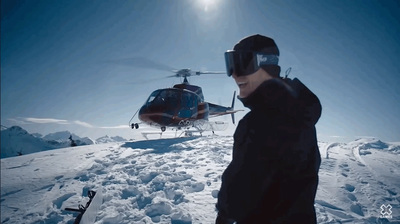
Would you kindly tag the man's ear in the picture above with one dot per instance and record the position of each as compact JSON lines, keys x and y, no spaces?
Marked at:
{"x":273,"y":70}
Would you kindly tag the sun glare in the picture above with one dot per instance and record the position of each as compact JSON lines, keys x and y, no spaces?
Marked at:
{"x":208,"y":5}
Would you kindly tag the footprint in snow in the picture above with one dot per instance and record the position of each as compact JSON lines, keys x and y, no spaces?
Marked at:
{"x":345,"y":169}
{"x":58,"y":177}
{"x":11,"y":193}
{"x":89,"y":155}
{"x":194,"y":187}
{"x":83,"y":177}
{"x":391,"y":192}
{"x":356,"y":208}
{"x":48,"y":187}
{"x":352,"y":197}
{"x":349,"y":187}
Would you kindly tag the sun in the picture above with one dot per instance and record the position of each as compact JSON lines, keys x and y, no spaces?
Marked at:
{"x":208,"y":5}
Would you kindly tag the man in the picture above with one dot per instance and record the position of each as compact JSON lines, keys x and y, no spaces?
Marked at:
{"x":273,"y":175}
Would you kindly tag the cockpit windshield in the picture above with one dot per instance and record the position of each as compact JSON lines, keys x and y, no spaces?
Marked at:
{"x":165,"y":97}
{"x":152,"y":96}
{"x":169,"y":96}
{"x":173,"y":102}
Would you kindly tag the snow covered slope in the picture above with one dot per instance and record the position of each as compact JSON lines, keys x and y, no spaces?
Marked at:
{"x":177,"y":181}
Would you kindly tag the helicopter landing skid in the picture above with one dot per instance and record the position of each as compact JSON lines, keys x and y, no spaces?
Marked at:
{"x":189,"y":133}
{"x":145,"y":134}
{"x":183,"y":133}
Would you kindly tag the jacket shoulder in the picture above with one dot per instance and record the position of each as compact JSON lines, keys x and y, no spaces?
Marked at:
{"x":307,"y":100}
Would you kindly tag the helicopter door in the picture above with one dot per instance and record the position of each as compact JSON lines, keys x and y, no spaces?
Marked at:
{"x":187,"y":105}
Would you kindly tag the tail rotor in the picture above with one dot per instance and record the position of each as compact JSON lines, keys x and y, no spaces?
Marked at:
{"x":232,"y":107}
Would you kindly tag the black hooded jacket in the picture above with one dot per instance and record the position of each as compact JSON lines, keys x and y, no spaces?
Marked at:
{"x":273,"y":175}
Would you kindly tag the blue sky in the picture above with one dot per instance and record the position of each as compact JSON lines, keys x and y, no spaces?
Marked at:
{"x":59,"y":67}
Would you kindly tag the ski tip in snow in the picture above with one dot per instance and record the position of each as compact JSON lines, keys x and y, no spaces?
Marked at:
{"x":89,"y":212}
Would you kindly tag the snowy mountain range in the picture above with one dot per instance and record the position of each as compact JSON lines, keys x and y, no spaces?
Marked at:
{"x":64,"y":135}
{"x":107,"y":139}
{"x":17,"y":141}
{"x":177,"y":181}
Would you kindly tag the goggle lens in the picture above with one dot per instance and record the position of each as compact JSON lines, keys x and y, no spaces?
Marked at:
{"x":246,"y":63}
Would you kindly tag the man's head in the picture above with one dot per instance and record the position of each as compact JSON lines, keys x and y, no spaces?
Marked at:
{"x":252,"y":61}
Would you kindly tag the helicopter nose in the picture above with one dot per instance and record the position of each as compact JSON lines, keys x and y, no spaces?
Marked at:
{"x":149,"y":114}
{"x":143,"y":113}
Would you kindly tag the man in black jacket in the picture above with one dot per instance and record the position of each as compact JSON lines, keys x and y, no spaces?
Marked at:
{"x":273,"y":175}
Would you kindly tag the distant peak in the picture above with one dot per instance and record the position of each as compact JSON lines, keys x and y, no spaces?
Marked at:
{"x":17,"y":129}
{"x":61,"y":135}
{"x":107,"y":138}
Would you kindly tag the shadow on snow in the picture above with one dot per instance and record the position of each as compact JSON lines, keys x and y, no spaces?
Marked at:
{"x":159,"y":145}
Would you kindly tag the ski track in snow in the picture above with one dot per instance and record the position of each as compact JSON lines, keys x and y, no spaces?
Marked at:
{"x":177,"y":181}
{"x":353,"y":187}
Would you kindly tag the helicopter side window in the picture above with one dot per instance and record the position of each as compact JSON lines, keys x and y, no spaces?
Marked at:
{"x":161,"y":96}
{"x":187,"y":105}
{"x":169,"y":97}
{"x":187,"y":101}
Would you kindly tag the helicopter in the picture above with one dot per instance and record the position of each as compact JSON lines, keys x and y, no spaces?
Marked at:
{"x":182,"y":106}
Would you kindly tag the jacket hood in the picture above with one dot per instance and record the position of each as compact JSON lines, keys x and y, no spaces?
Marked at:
{"x":288,"y":97}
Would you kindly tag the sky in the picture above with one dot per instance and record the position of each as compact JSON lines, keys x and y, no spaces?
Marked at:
{"x":77,"y":65}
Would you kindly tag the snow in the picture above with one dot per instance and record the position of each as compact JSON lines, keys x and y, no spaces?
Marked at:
{"x":356,"y":179}
{"x":177,"y":181}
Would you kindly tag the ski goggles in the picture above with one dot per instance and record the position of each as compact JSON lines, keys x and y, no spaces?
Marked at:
{"x":246,"y":62}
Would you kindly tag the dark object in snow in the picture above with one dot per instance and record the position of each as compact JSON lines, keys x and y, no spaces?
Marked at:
{"x":87,"y":213}
{"x":73,"y":144}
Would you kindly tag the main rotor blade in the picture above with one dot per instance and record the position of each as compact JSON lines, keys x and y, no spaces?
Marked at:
{"x":141,"y":62}
{"x":209,"y":72}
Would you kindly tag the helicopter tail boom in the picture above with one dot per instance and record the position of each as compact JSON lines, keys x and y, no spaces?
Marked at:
{"x":218,"y":110}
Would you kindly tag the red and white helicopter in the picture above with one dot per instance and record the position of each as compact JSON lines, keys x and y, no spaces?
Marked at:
{"x":182,"y":107}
